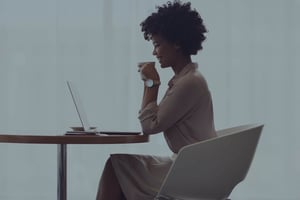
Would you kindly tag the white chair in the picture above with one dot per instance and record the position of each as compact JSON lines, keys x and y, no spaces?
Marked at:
{"x":209,"y":170}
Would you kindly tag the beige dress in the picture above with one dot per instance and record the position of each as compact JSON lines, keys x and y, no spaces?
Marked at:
{"x":184,"y":115}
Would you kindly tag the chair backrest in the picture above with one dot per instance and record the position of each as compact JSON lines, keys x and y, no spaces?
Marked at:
{"x":209,"y":170}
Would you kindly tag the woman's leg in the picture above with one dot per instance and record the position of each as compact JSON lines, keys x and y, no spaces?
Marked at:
{"x":109,"y":187}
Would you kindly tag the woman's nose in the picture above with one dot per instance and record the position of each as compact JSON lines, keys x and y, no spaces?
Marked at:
{"x":154,"y":52}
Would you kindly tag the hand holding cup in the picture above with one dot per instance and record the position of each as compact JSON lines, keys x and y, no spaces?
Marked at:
{"x":148,"y":71}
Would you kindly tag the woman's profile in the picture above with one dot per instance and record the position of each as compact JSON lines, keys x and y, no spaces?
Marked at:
{"x":185,"y":113}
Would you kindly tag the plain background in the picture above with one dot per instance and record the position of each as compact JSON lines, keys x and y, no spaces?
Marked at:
{"x":250,"y":60}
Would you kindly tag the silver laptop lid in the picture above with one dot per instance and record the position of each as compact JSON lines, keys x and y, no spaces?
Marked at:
{"x":79,"y":107}
{"x":87,"y":129}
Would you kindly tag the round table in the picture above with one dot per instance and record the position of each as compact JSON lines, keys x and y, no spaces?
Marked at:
{"x":62,"y":141}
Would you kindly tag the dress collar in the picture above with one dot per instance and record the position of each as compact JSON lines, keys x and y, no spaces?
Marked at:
{"x":189,"y":67}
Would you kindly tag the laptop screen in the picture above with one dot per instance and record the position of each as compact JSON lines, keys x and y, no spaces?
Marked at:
{"x":79,"y":106}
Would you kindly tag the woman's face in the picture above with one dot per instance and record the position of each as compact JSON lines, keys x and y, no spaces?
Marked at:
{"x":165,"y":52}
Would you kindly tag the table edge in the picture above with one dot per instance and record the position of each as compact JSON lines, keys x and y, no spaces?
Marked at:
{"x":73,"y":139}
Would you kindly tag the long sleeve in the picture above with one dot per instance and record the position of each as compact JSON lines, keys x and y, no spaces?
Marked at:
{"x":185,"y":114}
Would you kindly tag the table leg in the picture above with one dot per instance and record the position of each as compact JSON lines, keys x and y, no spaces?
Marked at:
{"x":62,"y":172}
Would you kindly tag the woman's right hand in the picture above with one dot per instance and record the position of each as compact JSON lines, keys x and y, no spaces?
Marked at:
{"x":148,"y":71}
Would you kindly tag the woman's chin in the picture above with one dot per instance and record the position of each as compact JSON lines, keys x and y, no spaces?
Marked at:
{"x":163,"y":65}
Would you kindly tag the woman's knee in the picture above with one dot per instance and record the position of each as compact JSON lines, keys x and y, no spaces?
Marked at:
{"x":108,"y":167}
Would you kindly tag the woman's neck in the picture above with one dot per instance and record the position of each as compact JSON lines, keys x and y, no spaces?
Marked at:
{"x":180,"y":64}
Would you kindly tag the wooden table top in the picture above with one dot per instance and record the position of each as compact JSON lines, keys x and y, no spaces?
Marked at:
{"x":73,"y":139}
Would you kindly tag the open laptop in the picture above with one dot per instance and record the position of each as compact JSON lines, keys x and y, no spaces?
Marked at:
{"x":86,"y":128}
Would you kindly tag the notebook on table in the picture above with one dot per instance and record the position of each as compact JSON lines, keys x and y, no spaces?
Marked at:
{"x":86,"y":128}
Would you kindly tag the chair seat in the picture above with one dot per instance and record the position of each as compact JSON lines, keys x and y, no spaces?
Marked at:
{"x":209,"y":170}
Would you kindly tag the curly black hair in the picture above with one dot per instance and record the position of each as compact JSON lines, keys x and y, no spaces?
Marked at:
{"x":177,"y":23}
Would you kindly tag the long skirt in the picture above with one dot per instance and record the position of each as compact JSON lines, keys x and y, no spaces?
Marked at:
{"x":140,"y":176}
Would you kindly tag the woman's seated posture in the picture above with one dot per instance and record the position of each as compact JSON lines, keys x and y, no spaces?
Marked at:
{"x":185,"y":113}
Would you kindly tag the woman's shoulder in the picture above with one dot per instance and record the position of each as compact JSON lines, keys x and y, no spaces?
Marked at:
{"x":193,"y":79}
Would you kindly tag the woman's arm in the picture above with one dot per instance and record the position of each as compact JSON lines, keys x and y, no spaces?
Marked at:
{"x":177,"y":104}
{"x":150,"y":95}
{"x":148,"y":71}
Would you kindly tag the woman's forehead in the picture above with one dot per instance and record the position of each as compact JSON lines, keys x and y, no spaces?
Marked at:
{"x":157,"y":38}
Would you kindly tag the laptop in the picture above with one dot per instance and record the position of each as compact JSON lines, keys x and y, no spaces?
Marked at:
{"x":86,"y":128}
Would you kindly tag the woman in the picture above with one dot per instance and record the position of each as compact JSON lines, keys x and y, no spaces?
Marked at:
{"x":184,"y":115}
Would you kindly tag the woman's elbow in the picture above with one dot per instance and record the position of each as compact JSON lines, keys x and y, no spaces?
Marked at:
{"x":151,"y":130}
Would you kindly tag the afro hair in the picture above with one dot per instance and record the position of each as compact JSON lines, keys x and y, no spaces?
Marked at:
{"x":177,"y":23}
